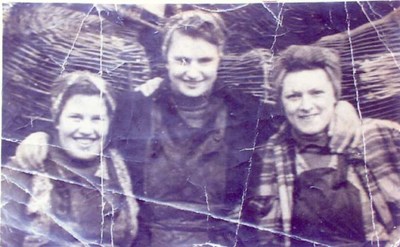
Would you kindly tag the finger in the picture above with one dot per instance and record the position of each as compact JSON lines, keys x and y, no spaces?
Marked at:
{"x":31,"y":156}
{"x":21,"y":157}
{"x":19,"y":160}
{"x":158,"y":80}
{"x":331,"y":127}
{"x":154,"y":85}
{"x":335,"y":142}
{"x":139,"y":88}
{"x":144,"y":89}
{"x":357,"y":139}
{"x":344,"y":142}
{"x":42,"y":155}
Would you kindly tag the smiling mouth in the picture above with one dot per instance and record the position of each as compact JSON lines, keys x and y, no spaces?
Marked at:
{"x":308,"y":117}
{"x":193,"y":83}
{"x":85,"y":142}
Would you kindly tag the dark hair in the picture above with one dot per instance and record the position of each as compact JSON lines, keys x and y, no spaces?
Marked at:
{"x":303,"y":57}
{"x":196,"y":24}
{"x":80,"y":83}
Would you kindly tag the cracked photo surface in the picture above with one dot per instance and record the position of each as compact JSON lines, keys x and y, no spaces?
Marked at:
{"x":257,"y":124}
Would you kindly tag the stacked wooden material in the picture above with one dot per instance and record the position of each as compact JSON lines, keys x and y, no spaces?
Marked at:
{"x":42,"y":41}
{"x":371,"y":66}
{"x":247,"y":73}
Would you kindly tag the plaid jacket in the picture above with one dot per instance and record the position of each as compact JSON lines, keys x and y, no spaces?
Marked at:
{"x":377,"y":164}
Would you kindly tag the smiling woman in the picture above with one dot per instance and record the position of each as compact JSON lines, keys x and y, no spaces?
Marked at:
{"x":308,"y":100}
{"x":307,"y":190}
{"x":84,"y":193}
{"x":83,"y":126}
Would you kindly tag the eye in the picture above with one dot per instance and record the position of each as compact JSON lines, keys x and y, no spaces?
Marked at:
{"x":182,"y":61}
{"x":98,"y":118}
{"x":293,"y":96}
{"x":205,"y":60}
{"x":317,"y":92}
{"x":75,"y":117}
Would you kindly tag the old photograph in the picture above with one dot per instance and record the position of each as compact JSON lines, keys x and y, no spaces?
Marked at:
{"x":237,"y":125}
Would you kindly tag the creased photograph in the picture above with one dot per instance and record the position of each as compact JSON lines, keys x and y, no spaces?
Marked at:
{"x":236,"y":125}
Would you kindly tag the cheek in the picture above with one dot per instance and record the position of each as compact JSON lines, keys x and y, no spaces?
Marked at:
{"x":327,"y":105}
{"x":104,"y":130}
{"x":289,"y":107}
{"x":103,"y":127}
{"x":213,"y":69}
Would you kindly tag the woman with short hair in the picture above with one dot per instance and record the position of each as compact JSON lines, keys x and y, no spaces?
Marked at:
{"x":83,"y":193}
{"x":306,"y":191}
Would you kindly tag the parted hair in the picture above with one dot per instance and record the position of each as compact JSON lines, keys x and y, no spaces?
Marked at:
{"x":80,"y":83}
{"x":196,"y":24}
{"x":303,"y":57}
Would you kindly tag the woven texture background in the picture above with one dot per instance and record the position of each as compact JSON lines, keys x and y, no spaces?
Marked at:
{"x":121,"y":43}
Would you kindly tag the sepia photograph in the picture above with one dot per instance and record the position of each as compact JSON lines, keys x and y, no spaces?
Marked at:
{"x":269,"y":123}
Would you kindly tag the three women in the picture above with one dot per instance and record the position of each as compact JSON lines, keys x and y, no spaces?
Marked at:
{"x":186,"y":171}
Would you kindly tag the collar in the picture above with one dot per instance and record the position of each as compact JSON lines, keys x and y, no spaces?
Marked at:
{"x":82,"y":168}
{"x":189,"y":103}
{"x":317,"y":143}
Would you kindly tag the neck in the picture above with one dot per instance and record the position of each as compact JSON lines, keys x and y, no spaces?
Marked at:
{"x":319,"y":139}
{"x":190,"y":102}
{"x":59,"y":153}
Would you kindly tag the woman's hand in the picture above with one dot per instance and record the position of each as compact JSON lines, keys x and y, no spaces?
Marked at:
{"x":394,"y":238}
{"x":32,"y":151}
{"x":345,"y":128}
{"x":149,"y":87}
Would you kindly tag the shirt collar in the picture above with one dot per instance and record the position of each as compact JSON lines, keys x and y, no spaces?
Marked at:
{"x":317,"y":143}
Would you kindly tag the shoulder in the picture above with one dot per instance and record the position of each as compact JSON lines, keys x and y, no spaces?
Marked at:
{"x":16,"y":184}
{"x":377,"y":132}
{"x":381,"y":146}
{"x":275,"y":146}
{"x":279,"y":138}
{"x":13,"y":171}
{"x":118,"y":163}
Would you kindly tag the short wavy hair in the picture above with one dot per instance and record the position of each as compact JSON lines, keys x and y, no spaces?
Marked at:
{"x":303,"y":57}
{"x":68,"y":85}
{"x":197,"y":24}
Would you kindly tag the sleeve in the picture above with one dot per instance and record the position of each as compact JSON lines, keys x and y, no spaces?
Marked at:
{"x":14,"y":198}
{"x":126,"y":225}
{"x":131,"y":125}
{"x":382,"y":150}
{"x":262,"y":204}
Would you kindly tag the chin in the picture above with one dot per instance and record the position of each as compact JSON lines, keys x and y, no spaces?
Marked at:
{"x":311,"y":130}
{"x":194,"y":94}
{"x":84,"y":155}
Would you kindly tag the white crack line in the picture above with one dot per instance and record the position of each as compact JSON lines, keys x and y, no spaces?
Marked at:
{"x":75,"y":39}
{"x":379,"y":35}
{"x":221,"y":10}
{"x":360,"y":115}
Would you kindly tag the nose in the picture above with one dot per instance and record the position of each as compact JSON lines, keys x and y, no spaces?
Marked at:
{"x":306,"y":104}
{"x":193,"y":72}
{"x":86,"y":128}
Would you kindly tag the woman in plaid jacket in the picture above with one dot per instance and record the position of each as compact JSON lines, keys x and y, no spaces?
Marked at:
{"x":307,"y":194}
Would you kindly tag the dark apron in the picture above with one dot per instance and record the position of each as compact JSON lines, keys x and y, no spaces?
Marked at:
{"x":327,"y":208}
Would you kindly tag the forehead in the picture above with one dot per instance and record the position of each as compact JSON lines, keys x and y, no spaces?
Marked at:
{"x":85,"y":104}
{"x":307,"y":79}
{"x":183,"y":43}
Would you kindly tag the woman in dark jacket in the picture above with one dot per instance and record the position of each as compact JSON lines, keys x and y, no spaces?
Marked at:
{"x":82,"y":193}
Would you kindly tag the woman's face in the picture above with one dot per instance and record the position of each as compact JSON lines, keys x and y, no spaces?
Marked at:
{"x":309,"y":100}
{"x":192,"y":65}
{"x":83,"y":126}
